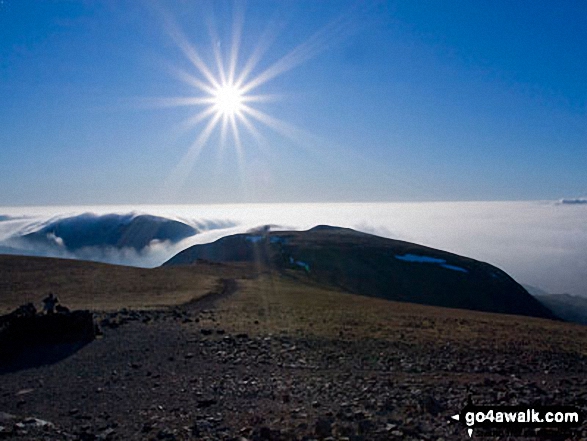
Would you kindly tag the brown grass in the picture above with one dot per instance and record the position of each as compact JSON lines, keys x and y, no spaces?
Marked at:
{"x":97,"y":286}
{"x":279,"y":304}
{"x":288,"y":306}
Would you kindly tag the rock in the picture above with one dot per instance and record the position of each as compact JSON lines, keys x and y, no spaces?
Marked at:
{"x":6,"y":417}
{"x":195,"y":430}
{"x":365,"y":426}
{"x":431,"y":405}
{"x":86,"y":436}
{"x":206,"y":403}
{"x":36,"y":422}
{"x":265,"y":433}
{"x":107,"y":434}
{"x":166,"y":434}
{"x":245,"y":431}
{"x":323,"y":428}
{"x":82,"y":417}
{"x":389,"y":427}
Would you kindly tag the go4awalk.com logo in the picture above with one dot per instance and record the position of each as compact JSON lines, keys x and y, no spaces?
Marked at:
{"x":518,"y":418}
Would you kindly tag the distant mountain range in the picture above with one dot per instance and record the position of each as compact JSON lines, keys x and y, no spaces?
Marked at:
{"x":370,"y":265}
{"x":566,"y":306}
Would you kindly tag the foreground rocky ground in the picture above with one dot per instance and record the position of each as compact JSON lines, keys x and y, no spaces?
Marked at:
{"x":196,"y":372}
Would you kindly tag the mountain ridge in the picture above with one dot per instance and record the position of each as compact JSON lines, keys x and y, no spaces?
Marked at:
{"x":370,"y":265}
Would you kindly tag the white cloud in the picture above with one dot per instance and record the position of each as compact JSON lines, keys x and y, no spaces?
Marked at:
{"x":543,"y":244}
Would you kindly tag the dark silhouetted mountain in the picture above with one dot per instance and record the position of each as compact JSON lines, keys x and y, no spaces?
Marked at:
{"x":574,"y":201}
{"x":374,"y":266}
{"x":110,"y":230}
{"x":566,"y":306}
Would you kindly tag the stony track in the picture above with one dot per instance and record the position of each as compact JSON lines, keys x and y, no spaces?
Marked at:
{"x":163,"y":375}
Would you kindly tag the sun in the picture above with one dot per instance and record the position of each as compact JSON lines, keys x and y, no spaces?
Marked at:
{"x":228,"y":100}
{"x":226,"y":91}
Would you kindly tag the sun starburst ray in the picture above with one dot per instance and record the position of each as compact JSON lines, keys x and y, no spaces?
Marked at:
{"x":225,"y":91}
{"x":260,"y":140}
{"x":183,"y":101}
{"x":300,"y":54}
{"x":223,"y":134}
{"x":202,"y":139}
{"x":276,"y":124}
{"x":262,"y":98}
{"x":216,"y":50}
{"x":189,"y":51}
{"x":259,"y":51}
{"x":237,"y":27}
{"x":238,"y":148}
{"x":191,"y":122}
{"x":186,"y":164}
{"x":252,"y":129}
{"x":191,"y":80}
{"x":235,"y":133}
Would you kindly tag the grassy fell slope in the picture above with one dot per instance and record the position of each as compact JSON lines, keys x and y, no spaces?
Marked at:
{"x":282,"y":355}
{"x":285,"y":304}
{"x":98,"y":286}
{"x":276,"y":302}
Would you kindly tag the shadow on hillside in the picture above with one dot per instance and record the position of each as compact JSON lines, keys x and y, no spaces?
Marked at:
{"x":38,"y":355}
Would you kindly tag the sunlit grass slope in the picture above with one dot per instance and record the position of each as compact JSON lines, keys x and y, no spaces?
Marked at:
{"x":80,"y":284}
{"x":278,"y":304}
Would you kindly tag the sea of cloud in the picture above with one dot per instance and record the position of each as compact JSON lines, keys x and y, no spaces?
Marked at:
{"x":539,"y":243}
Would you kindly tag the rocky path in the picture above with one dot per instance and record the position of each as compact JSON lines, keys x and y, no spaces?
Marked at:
{"x":226,"y":287}
{"x":159,"y":375}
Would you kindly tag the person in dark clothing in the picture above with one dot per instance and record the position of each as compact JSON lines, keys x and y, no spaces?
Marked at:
{"x":49,"y":303}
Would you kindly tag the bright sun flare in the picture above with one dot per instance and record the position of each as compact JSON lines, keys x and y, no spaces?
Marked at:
{"x":225,"y":91}
{"x":228,"y":100}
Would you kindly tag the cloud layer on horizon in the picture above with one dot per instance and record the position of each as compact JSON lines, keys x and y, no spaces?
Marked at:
{"x":543,"y":244}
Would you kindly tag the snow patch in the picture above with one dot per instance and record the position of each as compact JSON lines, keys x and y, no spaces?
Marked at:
{"x":454,"y":268}
{"x":299,"y":263}
{"x":416,"y":258}
{"x":254,"y":239}
{"x":420,"y":259}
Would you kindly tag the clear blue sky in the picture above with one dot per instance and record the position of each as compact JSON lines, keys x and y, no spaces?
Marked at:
{"x":411,"y":100}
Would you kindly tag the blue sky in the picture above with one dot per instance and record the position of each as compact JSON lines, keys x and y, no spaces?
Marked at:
{"x":391,"y":101}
